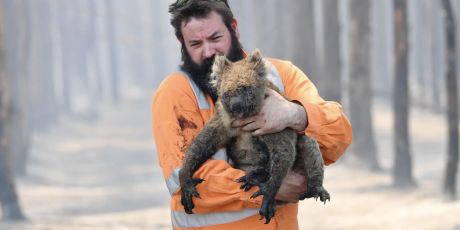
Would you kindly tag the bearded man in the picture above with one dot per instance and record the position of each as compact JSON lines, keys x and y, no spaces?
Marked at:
{"x":184,"y":102}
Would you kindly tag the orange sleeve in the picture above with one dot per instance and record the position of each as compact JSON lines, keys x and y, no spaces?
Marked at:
{"x":326,"y":121}
{"x":176,"y":121}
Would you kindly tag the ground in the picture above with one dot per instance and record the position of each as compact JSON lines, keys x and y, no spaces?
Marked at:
{"x":104,"y":175}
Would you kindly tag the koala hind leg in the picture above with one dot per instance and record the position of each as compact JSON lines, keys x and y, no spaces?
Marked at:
{"x":282,"y":156}
{"x":310,"y":162}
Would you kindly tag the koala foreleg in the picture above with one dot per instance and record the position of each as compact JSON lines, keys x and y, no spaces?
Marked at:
{"x":209,"y":140}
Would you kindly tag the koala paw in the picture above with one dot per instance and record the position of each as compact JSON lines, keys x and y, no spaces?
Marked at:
{"x":187,"y":193}
{"x":268,"y":209}
{"x":251,"y":179}
{"x":316,"y":192}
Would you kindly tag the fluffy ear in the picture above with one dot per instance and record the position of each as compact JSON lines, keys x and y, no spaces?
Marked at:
{"x":218,"y":67}
{"x":258,"y":61}
{"x":220,"y":63}
{"x":256,"y":56}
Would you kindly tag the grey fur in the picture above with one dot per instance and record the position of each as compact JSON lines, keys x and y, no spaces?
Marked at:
{"x":266,"y":159}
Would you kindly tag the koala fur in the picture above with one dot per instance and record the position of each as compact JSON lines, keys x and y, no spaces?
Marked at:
{"x":265,"y":159}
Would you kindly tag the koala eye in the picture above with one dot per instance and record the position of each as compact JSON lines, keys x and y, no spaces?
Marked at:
{"x":266,"y":95}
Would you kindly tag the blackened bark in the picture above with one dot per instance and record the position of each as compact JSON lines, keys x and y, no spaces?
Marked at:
{"x":43,"y":100}
{"x":17,"y":35}
{"x":402,"y":168}
{"x":360,"y":83}
{"x":331,"y":87}
{"x":450,"y":176}
{"x":303,"y":38}
{"x":8,"y":197}
{"x":113,"y":60}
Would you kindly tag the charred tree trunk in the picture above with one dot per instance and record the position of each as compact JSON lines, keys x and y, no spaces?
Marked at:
{"x":95,"y":47}
{"x":159,"y":61}
{"x":303,"y":53}
{"x":402,"y":168}
{"x":331,"y":87}
{"x":66,"y":24}
{"x":17,"y":35}
{"x":43,"y":97}
{"x":281,"y":48}
{"x":94,"y":51}
{"x":84,"y":44}
{"x":360,"y":83}
{"x":450,"y":177}
{"x":113,"y":59}
{"x":8,"y":196}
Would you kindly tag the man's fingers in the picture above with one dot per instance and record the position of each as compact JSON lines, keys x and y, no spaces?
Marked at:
{"x":258,"y":132}
{"x":250,"y":127}
{"x":242,"y":122}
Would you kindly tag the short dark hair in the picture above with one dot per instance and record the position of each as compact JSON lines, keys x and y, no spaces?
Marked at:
{"x":183,"y":10}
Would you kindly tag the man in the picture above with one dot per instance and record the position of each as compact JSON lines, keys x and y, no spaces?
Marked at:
{"x":184,"y":102}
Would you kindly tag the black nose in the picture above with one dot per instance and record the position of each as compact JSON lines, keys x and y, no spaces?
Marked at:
{"x":236,"y":104}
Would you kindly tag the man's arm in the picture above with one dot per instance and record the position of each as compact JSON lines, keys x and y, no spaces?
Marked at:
{"x":324,"y":120}
{"x":307,"y":112}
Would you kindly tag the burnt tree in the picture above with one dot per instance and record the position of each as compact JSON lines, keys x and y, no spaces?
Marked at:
{"x":360,"y":84}
{"x":8,"y":196}
{"x":450,"y":176}
{"x":330,"y":84}
{"x":402,"y":167}
{"x":17,"y":46}
{"x":43,"y":100}
{"x":303,"y":42}
{"x":111,"y":27}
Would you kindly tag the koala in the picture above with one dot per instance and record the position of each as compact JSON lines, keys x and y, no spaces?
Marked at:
{"x":265,"y":159}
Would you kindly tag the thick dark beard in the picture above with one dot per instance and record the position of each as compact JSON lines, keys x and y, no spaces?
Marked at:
{"x":201,"y":74}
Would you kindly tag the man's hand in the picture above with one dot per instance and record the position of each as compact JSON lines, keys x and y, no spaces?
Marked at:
{"x":276,"y":114}
{"x":292,"y":188}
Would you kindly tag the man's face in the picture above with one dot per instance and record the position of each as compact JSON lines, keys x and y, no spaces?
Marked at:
{"x":203,"y":38}
{"x":207,"y":36}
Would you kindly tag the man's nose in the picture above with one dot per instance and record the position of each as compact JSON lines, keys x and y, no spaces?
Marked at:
{"x":208,"y":51}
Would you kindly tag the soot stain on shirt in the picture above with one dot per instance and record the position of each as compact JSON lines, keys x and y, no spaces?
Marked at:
{"x":186,"y":124}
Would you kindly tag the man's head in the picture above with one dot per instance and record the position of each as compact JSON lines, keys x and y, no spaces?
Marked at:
{"x":205,"y":28}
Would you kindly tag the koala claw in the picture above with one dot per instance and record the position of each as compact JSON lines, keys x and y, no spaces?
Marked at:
{"x":247,"y":182}
{"x":256,"y":194}
{"x":316,"y":192}
{"x":246,"y":186}
{"x":187,"y":193}
{"x":268,"y":209}
{"x":196,"y":181}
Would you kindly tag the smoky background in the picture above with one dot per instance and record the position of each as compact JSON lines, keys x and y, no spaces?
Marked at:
{"x":77,"y":77}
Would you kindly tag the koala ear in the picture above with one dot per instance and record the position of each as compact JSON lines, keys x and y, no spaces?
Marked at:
{"x":256,"y":56}
{"x":220,"y":63}
{"x":218,"y":67}
{"x":259,"y":62}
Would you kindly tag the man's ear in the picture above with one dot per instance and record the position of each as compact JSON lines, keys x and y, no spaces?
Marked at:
{"x":180,"y":39}
{"x":220,"y":64}
{"x":234,"y":25}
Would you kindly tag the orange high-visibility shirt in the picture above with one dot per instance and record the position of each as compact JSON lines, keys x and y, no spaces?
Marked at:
{"x":179,"y":112}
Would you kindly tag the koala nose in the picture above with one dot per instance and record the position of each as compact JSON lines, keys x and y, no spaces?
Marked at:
{"x":236,"y":104}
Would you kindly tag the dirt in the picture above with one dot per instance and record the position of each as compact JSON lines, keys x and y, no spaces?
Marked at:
{"x":104,"y":174}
